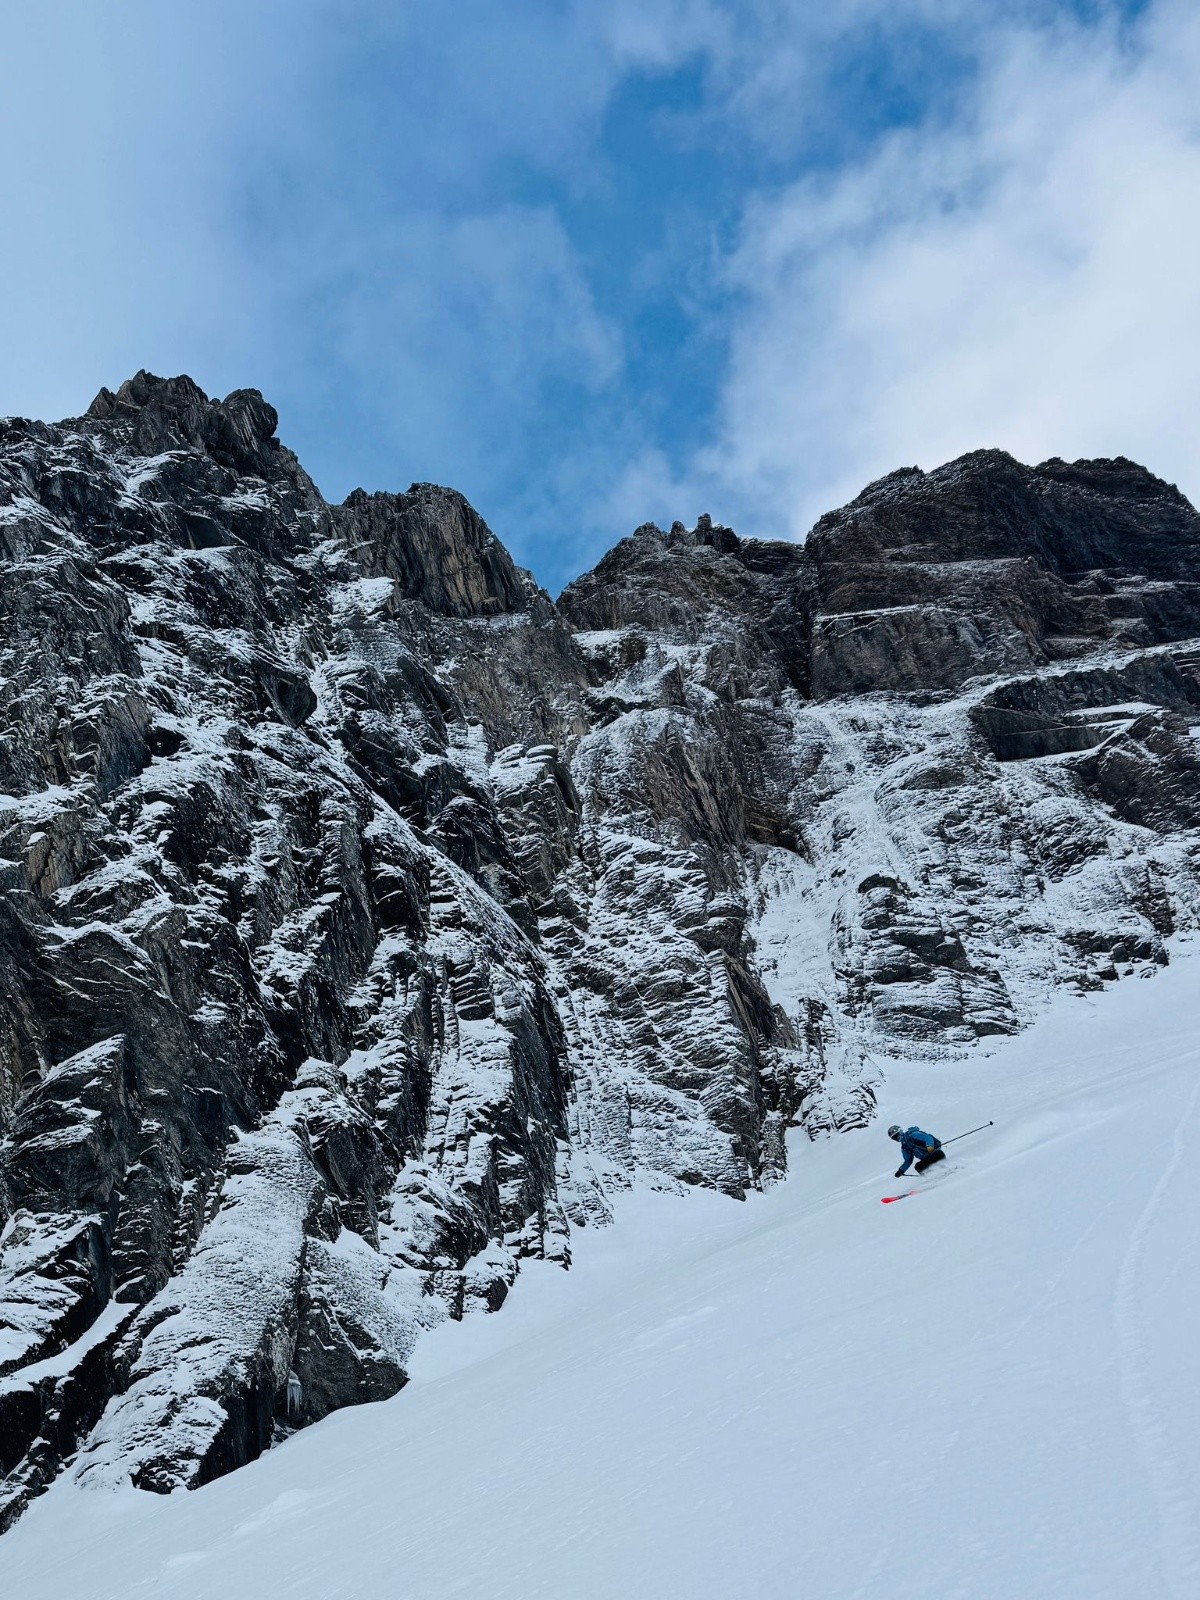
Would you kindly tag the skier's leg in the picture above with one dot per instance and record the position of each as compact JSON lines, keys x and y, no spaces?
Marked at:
{"x":928,"y":1161}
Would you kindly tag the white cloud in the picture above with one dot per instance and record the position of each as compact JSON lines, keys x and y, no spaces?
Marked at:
{"x":438,"y":318}
{"x":1024,"y":277}
{"x":373,"y":212}
{"x":121,"y":127}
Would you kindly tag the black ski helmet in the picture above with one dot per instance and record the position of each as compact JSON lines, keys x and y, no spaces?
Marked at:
{"x":894,"y":1131}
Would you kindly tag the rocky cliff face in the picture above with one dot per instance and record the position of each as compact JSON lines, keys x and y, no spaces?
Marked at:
{"x":368,"y":919}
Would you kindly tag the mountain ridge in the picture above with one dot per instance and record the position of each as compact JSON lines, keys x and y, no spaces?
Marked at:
{"x":370,"y":918}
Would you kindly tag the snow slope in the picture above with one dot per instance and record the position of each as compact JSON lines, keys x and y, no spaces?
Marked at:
{"x":987,"y":1391}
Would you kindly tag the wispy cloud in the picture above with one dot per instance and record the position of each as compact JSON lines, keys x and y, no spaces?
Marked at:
{"x":601,"y":260}
{"x":1022,"y":275}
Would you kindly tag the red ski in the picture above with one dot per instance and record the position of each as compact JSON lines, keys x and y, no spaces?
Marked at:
{"x":931,"y":1179}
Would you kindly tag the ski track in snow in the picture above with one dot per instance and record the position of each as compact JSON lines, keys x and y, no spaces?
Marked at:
{"x":1175,"y":1490}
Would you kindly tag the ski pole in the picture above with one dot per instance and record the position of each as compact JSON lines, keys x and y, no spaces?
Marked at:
{"x":968,"y":1133}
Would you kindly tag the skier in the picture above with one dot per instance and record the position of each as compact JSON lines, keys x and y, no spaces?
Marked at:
{"x":916,"y":1146}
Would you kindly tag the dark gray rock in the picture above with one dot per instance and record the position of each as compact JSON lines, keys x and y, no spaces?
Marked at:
{"x":986,"y":565}
{"x":367,"y":919}
{"x":436,"y":548}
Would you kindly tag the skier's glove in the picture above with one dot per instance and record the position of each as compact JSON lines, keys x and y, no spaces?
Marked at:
{"x":900,"y":1173}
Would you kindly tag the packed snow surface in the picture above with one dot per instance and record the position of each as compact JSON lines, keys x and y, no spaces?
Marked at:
{"x":983,"y":1392}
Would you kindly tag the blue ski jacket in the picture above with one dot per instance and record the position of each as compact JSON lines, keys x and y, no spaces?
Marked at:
{"x":914,"y":1144}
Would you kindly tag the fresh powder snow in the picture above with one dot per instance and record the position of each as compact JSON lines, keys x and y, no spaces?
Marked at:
{"x":984,"y":1393}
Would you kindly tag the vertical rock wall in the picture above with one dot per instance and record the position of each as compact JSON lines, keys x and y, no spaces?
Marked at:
{"x":367,"y":919}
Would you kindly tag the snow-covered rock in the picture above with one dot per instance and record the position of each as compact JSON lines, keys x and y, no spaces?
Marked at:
{"x":369,"y":918}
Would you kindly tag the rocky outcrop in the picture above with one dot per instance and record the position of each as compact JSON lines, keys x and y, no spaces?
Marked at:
{"x":928,"y":579}
{"x":368,"y":918}
{"x":437,"y":549}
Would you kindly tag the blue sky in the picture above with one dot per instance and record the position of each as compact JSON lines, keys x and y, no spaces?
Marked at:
{"x":600,"y":262}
